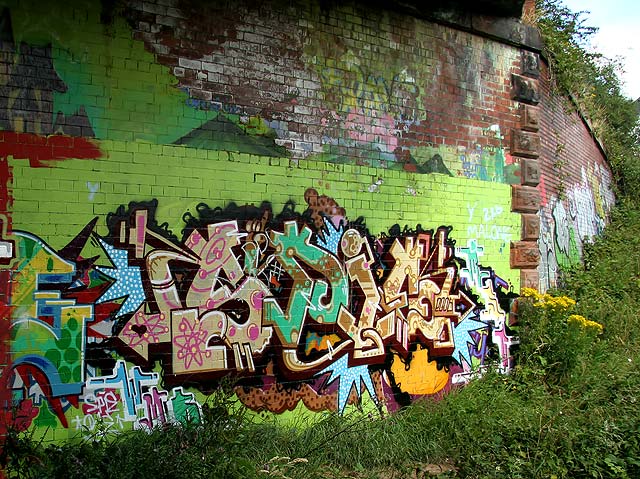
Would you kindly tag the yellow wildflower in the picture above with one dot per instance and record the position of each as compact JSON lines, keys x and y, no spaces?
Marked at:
{"x":548,"y":301}
{"x":530,"y":293}
{"x":585,"y":323}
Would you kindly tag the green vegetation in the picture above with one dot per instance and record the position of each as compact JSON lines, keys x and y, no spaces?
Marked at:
{"x":592,"y":82}
{"x":568,"y":410}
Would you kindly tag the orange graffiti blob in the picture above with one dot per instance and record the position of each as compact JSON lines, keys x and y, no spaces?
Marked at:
{"x":422,"y":376}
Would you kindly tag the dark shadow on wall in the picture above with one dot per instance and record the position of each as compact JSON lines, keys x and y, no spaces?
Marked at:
{"x":26,"y":96}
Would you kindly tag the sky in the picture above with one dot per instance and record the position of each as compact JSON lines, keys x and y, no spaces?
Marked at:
{"x":618,"y":35}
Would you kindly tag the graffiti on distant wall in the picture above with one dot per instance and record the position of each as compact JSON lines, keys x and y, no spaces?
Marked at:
{"x":292,"y":307}
{"x":567,"y":224}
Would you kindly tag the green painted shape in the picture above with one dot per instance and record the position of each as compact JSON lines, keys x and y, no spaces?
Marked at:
{"x":185,"y":407}
{"x":566,"y":260}
{"x":46,"y":418}
{"x":293,"y":246}
{"x":126,"y":94}
{"x":499,"y":164}
{"x":64,"y":353}
{"x":321,"y":261}
{"x":512,"y":174}
{"x":250,"y":258}
{"x":221,"y":133}
{"x":289,"y":323}
{"x":486,"y":164}
{"x":30,"y":336}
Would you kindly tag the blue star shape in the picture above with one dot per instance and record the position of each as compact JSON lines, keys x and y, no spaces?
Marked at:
{"x":128,"y":280}
{"x":332,"y":236}
{"x":349,"y":377}
{"x":462,"y":339}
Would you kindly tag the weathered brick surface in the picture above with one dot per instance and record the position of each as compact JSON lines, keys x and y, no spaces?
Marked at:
{"x":530,"y":227}
{"x":530,"y":64}
{"x":524,"y":255}
{"x":576,"y":185}
{"x":524,"y":89}
{"x":530,"y":169}
{"x":530,"y":118}
{"x":525,"y":199}
{"x":524,"y":143}
{"x":529,"y":278}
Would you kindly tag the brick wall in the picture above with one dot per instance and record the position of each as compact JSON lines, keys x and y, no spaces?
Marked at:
{"x":576,"y":186}
{"x":273,"y":194}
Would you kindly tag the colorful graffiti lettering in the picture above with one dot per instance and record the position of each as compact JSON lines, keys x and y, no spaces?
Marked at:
{"x":293,"y":307}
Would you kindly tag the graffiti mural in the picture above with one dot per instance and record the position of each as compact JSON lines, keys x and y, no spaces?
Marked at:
{"x":567,"y":224}
{"x":291,"y":307}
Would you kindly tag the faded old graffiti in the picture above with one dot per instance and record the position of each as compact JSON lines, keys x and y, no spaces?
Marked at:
{"x":485,"y":163}
{"x":292,"y":307}
{"x":482,"y":223}
{"x":566,"y":225}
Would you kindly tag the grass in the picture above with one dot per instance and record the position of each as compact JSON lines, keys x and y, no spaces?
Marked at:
{"x":568,"y":410}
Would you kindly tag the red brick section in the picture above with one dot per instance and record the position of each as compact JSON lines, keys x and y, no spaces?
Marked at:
{"x":530,"y":227}
{"x":528,"y":9}
{"x":566,"y":142}
{"x":529,"y":278}
{"x":567,"y":148}
{"x":530,"y":171}
{"x":255,"y":61}
{"x":525,"y":254}
{"x":525,"y":199}
{"x":525,"y":144}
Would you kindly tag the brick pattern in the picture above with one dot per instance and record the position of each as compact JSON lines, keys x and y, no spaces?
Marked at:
{"x":576,"y":185}
{"x":525,"y":255}
{"x":530,"y":118}
{"x":525,"y":143}
{"x":530,"y":169}
{"x":351,"y":84}
{"x":395,"y":82}
{"x":530,"y":227}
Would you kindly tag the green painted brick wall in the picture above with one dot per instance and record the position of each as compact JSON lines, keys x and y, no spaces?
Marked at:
{"x":180,"y":178}
{"x":389,"y":118}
